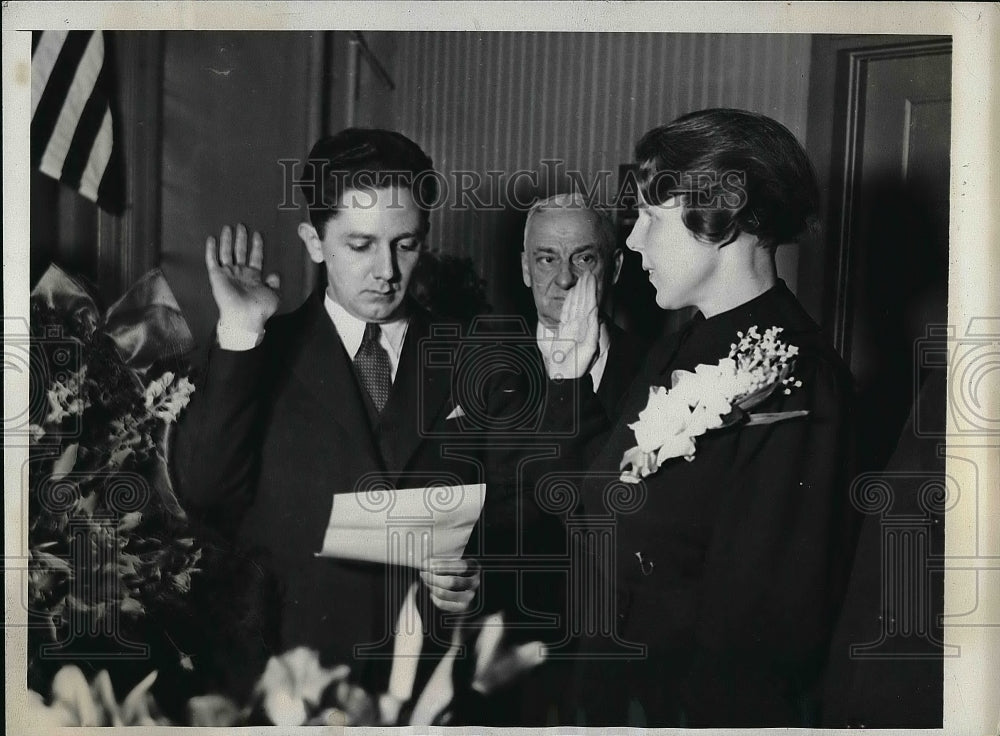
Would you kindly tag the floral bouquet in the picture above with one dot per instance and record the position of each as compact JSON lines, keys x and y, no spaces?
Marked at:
{"x":107,"y":538}
{"x":295,"y":689}
{"x":711,"y":397}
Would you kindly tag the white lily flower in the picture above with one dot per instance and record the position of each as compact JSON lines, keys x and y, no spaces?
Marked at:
{"x":697,"y":400}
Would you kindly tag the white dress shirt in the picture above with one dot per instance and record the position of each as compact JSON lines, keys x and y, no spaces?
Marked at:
{"x":603,"y":345}
{"x":350,"y":328}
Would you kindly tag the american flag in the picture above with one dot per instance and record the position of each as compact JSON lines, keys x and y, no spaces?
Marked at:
{"x":72,"y":128}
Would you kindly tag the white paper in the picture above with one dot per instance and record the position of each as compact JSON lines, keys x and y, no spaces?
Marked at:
{"x":406,"y":526}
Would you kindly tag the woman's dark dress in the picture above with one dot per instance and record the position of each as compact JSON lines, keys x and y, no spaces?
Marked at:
{"x":744,"y":550}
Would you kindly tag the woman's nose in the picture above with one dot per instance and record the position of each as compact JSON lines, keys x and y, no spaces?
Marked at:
{"x":632,"y":241}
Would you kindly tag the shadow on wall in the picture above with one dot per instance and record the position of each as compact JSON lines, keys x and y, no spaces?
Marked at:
{"x":903,"y":261}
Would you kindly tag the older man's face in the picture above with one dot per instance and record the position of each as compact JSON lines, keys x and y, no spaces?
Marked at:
{"x":560,"y":245}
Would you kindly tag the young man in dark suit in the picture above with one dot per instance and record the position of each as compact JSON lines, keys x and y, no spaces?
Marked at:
{"x":333,"y":398}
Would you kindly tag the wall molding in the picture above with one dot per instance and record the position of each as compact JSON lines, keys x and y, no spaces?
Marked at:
{"x":129,"y":245}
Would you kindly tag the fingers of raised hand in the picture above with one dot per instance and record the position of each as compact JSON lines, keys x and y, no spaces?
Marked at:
{"x":571,"y":305}
{"x":226,"y":246}
{"x":211,"y":254}
{"x":240,"y":246}
{"x":581,"y":300}
{"x":241,"y":249}
{"x":256,"y":251}
{"x":588,"y":296}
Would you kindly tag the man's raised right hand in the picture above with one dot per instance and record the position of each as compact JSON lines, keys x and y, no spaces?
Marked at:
{"x":245,"y":299}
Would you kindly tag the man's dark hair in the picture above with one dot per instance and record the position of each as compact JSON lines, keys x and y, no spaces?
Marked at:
{"x":366,"y":159}
{"x":733,"y":171}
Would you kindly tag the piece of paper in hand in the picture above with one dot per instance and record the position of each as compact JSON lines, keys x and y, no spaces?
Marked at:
{"x":406,"y":526}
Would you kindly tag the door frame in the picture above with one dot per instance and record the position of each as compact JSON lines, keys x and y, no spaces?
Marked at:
{"x":837,"y":80}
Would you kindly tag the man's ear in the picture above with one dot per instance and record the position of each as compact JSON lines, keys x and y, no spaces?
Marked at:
{"x":617,"y":265}
{"x":310,"y":238}
{"x":525,"y":269}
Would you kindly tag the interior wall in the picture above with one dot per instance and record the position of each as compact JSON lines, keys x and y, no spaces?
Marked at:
{"x":234,"y":105}
{"x":506,"y":101}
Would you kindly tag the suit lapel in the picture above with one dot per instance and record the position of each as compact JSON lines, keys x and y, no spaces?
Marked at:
{"x":321,"y":363}
{"x":624,"y":360}
{"x":418,"y":396}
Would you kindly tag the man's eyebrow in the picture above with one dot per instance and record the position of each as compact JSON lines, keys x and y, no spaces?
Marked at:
{"x":360,"y":236}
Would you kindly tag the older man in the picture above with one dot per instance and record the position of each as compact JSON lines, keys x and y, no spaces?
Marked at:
{"x":564,"y":241}
{"x":563,"y":238}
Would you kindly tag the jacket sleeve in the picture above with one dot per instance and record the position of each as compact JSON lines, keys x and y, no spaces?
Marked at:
{"x":777,"y":563}
{"x":218,"y":439}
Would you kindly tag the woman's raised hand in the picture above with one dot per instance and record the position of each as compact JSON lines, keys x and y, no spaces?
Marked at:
{"x":245,"y":299}
{"x":571,"y":351}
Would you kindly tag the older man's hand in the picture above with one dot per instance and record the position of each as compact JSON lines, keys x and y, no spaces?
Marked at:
{"x":570,"y":351}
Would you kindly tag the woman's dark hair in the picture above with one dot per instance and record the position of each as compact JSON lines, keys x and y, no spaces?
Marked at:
{"x":733,"y":171}
{"x":366,"y":159}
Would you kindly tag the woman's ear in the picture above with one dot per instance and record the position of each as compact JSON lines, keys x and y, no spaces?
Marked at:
{"x":312,"y":241}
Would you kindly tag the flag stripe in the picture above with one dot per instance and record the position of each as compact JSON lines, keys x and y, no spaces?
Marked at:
{"x":81,"y":90}
{"x":90,"y":122}
{"x":97,"y":164}
{"x":72,"y":125}
{"x":43,"y":58}
{"x":50,"y":104}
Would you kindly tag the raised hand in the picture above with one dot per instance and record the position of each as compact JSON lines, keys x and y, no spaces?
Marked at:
{"x":245,"y":299}
{"x":571,"y":351}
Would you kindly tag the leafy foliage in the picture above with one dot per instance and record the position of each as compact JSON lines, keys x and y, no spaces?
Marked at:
{"x":107,"y":538}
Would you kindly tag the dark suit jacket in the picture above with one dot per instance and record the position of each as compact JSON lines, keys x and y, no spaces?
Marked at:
{"x":625,"y":355}
{"x":273,"y":433}
{"x":744,"y":550}
{"x":516,"y":521}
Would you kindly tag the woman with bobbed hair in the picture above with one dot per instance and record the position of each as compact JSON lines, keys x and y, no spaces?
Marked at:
{"x":727,"y":485}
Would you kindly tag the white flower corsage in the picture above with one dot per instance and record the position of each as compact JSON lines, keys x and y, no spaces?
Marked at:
{"x":713,"y":396}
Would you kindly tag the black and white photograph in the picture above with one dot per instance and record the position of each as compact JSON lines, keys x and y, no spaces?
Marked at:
{"x":456,"y":366}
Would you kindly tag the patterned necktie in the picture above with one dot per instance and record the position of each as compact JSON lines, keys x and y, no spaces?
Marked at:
{"x":372,"y":362}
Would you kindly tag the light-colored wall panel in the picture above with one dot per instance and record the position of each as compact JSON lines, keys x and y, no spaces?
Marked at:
{"x":481,"y":101}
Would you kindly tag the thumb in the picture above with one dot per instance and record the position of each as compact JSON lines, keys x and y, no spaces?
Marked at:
{"x":273,"y":280}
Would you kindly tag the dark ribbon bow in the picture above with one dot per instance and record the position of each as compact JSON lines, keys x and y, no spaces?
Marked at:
{"x":145,"y":324}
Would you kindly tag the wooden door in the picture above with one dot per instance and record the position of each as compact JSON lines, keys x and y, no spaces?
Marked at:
{"x":880,"y":135}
